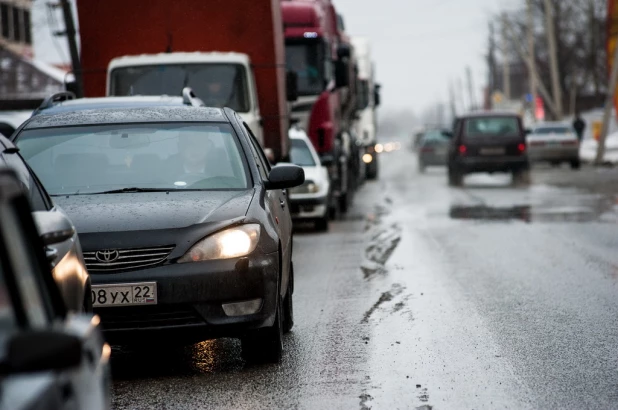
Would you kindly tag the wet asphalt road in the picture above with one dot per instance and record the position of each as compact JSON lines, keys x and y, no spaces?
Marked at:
{"x":490,"y":296}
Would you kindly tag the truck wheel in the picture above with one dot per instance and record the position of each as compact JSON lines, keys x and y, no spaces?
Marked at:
{"x":576,"y":164}
{"x":265,"y":345}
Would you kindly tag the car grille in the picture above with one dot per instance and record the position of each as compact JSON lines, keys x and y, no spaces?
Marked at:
{"x":126,"y":259}
{"x":143,"y":317}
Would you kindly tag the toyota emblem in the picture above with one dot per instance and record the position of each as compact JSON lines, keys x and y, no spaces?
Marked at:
{"x":107,"y":255}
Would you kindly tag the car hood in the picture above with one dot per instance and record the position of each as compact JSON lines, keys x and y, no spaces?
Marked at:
{"x":144,"y":211}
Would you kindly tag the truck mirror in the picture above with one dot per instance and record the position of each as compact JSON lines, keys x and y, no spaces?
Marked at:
{"x":376,"y":95}
{"x":291,"y":85}
{"x":71,"y":86}
{"x":343,"y":51}
{"x":342,"y":74}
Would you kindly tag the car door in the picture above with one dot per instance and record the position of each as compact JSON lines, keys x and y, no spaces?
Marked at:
{"x":278,"y":206}
{"x":85,"y":386}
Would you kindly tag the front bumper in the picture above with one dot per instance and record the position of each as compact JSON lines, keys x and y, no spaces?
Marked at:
{"x":308,"y":207}
{"x":191,"y":299}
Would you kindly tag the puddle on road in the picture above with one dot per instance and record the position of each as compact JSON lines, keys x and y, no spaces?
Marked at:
{"x":583,"y":209}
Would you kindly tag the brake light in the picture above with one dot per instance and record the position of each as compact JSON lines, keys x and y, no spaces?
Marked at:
{"x":521,"y":148}
{"x":463,"y":149}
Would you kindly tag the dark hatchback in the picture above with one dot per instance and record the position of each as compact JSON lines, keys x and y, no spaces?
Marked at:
{"x":185,"y":227}
{"x":488,"y":142}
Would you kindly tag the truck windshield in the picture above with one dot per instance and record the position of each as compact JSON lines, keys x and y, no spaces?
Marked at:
{"x":218,"y":85}
{"x":307,"y":61}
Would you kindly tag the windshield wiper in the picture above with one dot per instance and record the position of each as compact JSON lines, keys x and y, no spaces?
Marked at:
{"x":132,"y":189}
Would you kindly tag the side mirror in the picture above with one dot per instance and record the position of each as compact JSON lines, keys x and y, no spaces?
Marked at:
{"x":377,"y":95}
{"x":343,"y":51}
{"x":291,"y":85}
{"x":42,"y":350}
{"x":285,"y":176}
{"x":528,"y":131}
{"x":54,"y":227}
{"x":342,"y":74}
{"x":327,"y":160}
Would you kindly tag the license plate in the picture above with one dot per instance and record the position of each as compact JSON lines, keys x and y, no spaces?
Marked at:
{"x":492,"y":151}
{"x":125,"y":294}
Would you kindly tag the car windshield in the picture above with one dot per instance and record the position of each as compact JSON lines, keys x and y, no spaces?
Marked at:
{"x":102,"y":158}
{"x":491,"y":127}
{"x":218,"y":85}
{"x":307,"y":62}
{"x":301,"y":154}
{"x":552,"y":130}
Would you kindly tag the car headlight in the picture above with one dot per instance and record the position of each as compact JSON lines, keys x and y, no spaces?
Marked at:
{"x":230,"y":243}
{"x":313,"y":188}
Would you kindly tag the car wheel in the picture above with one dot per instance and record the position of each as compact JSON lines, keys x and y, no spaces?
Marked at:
{"x":521,"y":176}
{"x":344,"y":203}
{"x":576,"y":164}
{"x":288,"y":304}
{"x":372,"y":169}
{"x":265,"y":345}
{"x":321,"y":225}
{"x":455,"y":178}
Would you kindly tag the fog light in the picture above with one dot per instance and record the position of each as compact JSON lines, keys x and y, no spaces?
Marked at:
{"x":242,"y":308}
{"x":367,"y":158}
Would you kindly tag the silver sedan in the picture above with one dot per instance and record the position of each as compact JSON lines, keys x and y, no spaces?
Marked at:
{"x":433,"y":149}
{"x":554,"y":143}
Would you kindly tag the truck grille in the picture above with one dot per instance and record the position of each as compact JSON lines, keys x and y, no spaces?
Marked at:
{"x":143,"y":317}
{"x":115,"y":260}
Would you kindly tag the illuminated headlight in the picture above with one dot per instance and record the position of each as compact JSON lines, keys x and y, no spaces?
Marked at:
{"x":230,"y":243}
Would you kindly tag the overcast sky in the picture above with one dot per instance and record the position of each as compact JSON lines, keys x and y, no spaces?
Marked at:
{"x":418,"y":45}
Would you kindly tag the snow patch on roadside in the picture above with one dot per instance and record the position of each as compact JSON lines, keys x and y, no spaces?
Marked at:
{"x":382,"y":240}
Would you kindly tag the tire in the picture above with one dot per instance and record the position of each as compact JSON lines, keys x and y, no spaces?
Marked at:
{"x":521,"y":176}
{"x":321,"y":225}
{"x":265,"y":345}
{"x":576,"y":164}
{"x":372,"y":169}
{"x":344,"y":203}
{"x":288,"y":304}
{"x":455,"y":178}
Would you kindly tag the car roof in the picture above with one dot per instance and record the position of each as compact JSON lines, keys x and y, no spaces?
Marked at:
{"x":482,"y":114}
{"x":128,"y":115}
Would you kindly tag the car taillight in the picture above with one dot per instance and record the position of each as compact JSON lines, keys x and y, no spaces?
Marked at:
{"x":463,"y":149}
{"x":521,"y":148}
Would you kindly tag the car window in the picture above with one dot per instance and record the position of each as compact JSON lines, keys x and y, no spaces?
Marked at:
{"x":38,"y":200}
{"x":25,"y":263}
{"x":491,"y":127}
{"x":553,"y":130}
{"x":300,"y":154}
{"x":172,"y":156}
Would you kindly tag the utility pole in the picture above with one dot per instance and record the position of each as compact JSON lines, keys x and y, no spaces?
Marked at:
{"x":451,"y":96}
{"x":609,"y":105}
{"x":461,"y":94}
{"x":71,"y":33}
{"x":472,"y":100}
{"x":506,"y":64}
{"x":553,"y":58}
{"x":532,"y":58}
{"x":491,"y":61}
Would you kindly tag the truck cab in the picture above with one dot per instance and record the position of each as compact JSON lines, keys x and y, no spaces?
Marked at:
{"x":218,"y":79}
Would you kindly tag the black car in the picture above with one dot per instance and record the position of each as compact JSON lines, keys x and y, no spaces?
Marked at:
{"x":65,"y":256}
{"x":487,"y":142}
{"x":185,"y":227}
{"x":48,"y":359}
{"x":64,"y":102}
